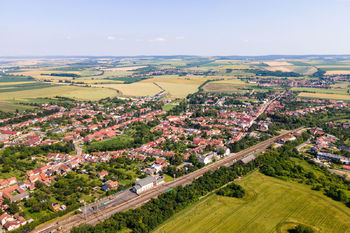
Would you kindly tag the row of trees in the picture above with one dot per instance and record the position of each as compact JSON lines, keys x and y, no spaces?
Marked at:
{"x":276,"y":73}
{"x":232,"y":190}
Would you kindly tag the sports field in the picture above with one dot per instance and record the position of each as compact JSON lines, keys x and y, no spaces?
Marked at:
{"x":271,"y":205}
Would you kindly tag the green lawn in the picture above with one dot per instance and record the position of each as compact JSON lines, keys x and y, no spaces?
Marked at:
{"x":169,"y":106}
{"x":271,"y":205}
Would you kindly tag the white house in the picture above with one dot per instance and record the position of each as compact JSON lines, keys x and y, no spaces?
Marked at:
{"x":207,"y":158}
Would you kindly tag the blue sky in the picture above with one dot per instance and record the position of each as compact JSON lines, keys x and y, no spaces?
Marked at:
{"x":170,"y":27}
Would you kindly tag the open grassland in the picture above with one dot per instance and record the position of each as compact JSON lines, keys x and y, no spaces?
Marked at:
{"x":324,"y":96}
{"x":271,"y":205}
{"x":80,"y":93}
{"x":134,"y":89}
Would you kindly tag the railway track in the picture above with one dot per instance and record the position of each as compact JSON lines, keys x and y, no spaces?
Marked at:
{"x":108,"y":211}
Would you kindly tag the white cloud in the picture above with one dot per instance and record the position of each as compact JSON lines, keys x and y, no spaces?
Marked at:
{"x":158,"y":39}
{"x":180,"y":38}
{"x":110,"y":37}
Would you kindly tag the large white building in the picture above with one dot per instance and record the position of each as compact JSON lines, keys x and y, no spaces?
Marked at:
{"x":207,"y":158}
{"x":147,"y":183}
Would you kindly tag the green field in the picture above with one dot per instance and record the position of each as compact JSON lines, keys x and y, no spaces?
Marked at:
{"x":271,"y":205}
{"x":8,"y":106}
{"x":321,"y":90}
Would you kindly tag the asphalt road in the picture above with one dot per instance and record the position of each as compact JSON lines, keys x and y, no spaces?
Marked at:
{"x":127,"y":199}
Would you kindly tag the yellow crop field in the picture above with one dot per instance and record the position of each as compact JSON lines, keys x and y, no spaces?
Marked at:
{"x":134,"y":89}
{"x":178,"y":90}
{"x":324,"y":96}
{"x":280,"y":68}
{"x":80,"y":93}
{"x":97,"y":81}
{"x":336,"y":72}
{"x":277,"y":63}
{"x":37,"y":74}
{"x":177,"y":86}
{"x":15,"y":83}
